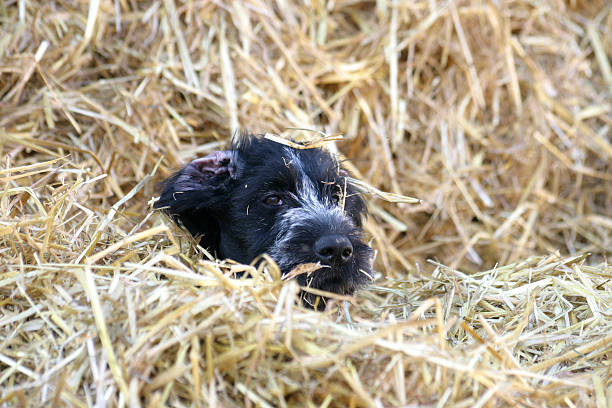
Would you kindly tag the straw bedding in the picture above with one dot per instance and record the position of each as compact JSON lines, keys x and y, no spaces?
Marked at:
{"x":494,"y":290}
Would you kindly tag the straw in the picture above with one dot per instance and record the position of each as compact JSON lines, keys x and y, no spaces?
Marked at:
{"x":478,"y":133}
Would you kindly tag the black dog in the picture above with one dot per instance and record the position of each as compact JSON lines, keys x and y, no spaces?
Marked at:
{"x":264,"y":197}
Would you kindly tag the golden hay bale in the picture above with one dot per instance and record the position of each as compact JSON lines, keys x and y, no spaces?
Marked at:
{"x":493,"y":291}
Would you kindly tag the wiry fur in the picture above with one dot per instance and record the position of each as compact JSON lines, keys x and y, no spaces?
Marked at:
{"x":221,"y":198}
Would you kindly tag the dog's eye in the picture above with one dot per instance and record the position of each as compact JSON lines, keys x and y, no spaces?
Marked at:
{"x":273,"y":200}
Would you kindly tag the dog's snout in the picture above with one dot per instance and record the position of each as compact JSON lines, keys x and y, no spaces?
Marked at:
{"x":333,"y":249}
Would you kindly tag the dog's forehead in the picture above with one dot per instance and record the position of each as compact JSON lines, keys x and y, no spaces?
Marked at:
{"x":274,"y":160}
{"x":314,"y":164}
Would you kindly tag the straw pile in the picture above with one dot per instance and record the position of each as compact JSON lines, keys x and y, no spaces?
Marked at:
{"x":494,"y":291}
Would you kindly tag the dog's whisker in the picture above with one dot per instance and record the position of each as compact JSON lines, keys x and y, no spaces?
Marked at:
{"x":343,"y":195}
{"x":370,"y":277}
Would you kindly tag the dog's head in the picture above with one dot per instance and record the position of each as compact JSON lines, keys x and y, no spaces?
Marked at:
{"x":264,"y":197}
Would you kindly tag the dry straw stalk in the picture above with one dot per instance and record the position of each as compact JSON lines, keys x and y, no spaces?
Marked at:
{"x":493,"y":289}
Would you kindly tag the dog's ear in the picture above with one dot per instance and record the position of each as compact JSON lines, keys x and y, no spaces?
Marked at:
{"x":194,"y":196}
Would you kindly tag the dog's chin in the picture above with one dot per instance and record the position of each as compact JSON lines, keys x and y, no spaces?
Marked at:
{"x":341,"y":280}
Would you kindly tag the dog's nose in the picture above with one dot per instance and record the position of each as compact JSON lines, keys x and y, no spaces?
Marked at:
{"x":333,"y":249}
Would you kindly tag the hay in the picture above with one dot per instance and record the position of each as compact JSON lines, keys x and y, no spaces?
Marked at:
{"x":493,"y":290}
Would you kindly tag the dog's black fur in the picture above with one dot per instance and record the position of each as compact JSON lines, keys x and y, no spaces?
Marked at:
{"x":264,"y":197}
